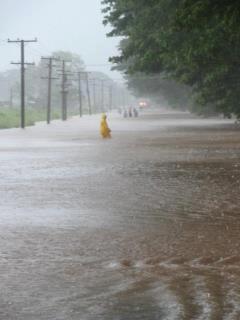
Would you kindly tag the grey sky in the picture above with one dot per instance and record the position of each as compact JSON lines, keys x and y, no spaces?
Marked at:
{"x":72,"y":25}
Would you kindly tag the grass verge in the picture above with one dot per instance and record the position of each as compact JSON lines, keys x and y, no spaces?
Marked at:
{"x":10,"y":118}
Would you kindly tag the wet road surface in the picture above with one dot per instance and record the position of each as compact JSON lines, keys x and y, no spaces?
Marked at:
{"x":143,"y":226}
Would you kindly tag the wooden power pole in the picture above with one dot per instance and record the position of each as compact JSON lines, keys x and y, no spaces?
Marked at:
{"x":79,"y":73}
{"x":64,"y":90}
{"x":88,"y":94}
{"x":49,"y":78}
{"x":94,"y":94}
{"x":80,"y":93}
{"x":22,"y":64}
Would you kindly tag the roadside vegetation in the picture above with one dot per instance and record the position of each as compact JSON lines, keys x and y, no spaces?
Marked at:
{"x":10,"y":118}
{"x":187,"y":51}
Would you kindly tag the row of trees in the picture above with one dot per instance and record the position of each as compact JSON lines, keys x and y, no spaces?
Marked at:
{"x":186,"y":50}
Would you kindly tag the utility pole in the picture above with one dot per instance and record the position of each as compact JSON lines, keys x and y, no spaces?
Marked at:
{"x":80,"y":93}
{"x":64,"y":90}
{"x":88,"y":94}
{"x":22,"y":63}
{"x":87,"y":89}
{"x":49,"y":78}
{"x":94,"y":94}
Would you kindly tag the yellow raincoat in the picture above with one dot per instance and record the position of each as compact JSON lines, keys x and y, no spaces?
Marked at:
{"x":104,"y":129}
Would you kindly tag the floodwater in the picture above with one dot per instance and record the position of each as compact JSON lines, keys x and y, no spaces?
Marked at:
{"x":143,"y":226}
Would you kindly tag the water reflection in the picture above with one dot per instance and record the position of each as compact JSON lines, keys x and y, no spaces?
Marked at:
{"x":149,"y":232}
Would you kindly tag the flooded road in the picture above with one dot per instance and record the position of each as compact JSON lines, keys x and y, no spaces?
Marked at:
{"x":144,"y":226}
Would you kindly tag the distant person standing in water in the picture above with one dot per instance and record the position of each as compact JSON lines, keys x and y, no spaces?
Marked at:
{"x":130,"y":112}
{"x":135,"y":112}
{"x":104,"y":129}
{"x":125,"y":114}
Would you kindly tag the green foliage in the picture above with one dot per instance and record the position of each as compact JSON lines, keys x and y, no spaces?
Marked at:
{"x":193,"y":42}
{"x":74,"y":61}
{"x":10,"y":118}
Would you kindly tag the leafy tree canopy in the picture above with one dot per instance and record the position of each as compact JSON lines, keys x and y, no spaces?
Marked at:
{"x":193,"y":42}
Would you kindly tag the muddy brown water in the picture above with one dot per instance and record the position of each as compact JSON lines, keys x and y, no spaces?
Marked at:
{"x":145,"y":226}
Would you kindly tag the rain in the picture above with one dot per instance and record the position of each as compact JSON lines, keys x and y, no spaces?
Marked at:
{"x":119,"y":180}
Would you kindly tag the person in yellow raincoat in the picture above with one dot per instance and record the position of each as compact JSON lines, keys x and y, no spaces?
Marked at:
{"x":104,"y":129}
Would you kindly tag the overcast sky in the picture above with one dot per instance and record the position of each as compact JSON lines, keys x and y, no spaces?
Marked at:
{"x":71,"y":25}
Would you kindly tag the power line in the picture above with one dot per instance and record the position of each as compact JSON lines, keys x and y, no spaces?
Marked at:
{"x":98,"y":65}
{"x":44,"y":47}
